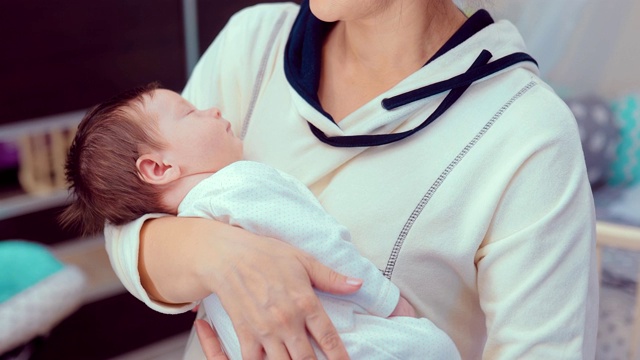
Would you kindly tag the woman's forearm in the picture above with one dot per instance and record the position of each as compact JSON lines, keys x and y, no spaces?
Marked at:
{"x":265,"y":285}
{"x":178,"y":256}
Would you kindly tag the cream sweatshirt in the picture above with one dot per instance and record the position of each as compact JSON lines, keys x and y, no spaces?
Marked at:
{"x":484,"y":219}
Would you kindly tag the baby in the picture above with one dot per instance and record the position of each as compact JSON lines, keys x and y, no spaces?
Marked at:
{"x":150,"y":150}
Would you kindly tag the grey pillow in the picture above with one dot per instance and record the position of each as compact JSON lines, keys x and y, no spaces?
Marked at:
{"x":599,"y":135}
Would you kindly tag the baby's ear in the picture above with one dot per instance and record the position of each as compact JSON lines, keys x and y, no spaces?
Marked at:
{"x":153,"y":170}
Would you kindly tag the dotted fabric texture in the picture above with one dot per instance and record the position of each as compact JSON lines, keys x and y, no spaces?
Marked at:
{"x":599,"y":136}
{"x":626,"y":167}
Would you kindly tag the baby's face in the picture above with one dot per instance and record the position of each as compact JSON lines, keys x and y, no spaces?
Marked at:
{"x":198,"y":140}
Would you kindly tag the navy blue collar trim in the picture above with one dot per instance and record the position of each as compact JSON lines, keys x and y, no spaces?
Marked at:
{"x":458,"y":85}
{"x":478,"y":21}
{"x":303,"y":54}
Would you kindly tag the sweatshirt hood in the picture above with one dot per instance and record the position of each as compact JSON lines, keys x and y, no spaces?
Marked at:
{"x":474,"y":53}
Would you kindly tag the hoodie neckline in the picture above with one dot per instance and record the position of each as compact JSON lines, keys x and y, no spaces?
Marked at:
{"x":303,"y":52}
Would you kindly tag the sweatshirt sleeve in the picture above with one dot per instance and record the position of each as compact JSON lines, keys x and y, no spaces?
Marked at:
{"x":262,"y":200}
{"x":537,"y":277}
{"x":122,"y":244}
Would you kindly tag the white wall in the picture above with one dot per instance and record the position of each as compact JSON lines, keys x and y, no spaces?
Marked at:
{"x":582,"y":45}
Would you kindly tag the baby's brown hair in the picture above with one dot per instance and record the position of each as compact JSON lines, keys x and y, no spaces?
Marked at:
{"x":101,"y":164}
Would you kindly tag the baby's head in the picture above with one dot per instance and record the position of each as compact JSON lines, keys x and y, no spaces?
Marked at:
{"x":129,"y":150}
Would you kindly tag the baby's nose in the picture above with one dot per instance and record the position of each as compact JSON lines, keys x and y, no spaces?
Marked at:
{"x":215,"y":112}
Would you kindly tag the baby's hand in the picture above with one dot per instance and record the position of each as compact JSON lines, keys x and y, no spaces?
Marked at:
{"x":403,"y":308}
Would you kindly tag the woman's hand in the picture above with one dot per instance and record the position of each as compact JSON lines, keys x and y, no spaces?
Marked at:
{"x":265,"y":285}
{"x":209,"y":341}
{"x":267,"y":290}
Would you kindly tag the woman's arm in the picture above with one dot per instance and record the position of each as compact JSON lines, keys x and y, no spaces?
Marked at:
{"x":169,"y":259}
{"x":264,"y":201}
{"x":265,"y":285}
{"x":537,"y":277}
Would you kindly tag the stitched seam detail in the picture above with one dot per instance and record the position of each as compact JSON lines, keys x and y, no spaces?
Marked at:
{"x":388,"y":271}
{"x":260,"y":75}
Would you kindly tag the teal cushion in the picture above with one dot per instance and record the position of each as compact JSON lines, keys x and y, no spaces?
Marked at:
{"x":23,"y":265}
{"x":625,"y":170}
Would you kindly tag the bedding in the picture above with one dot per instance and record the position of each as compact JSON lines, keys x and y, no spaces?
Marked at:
{"x":610,"y":135}
{"x":620,"y":205}
{"x":620,"y":274}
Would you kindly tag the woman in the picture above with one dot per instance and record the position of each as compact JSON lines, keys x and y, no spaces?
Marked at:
{"x":429,"y":135}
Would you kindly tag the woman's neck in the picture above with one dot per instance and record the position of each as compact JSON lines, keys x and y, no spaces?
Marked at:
{"x":365,"y":57}
{"x":402,"y":37}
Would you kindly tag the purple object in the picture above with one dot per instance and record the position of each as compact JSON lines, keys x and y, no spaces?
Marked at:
{"x":8,"y":155}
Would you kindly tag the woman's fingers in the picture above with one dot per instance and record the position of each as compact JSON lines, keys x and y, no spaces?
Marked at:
{"x":326,"y":279}
{"x":277,"y":351}
{"x":209,"y":341}
{"x":269,"y":314}
{"x":317,"y":321}
{"x":299,"y":347}
{"x":267,"y":292}
{"x":250,"y":345}
{"x":327,"y":337}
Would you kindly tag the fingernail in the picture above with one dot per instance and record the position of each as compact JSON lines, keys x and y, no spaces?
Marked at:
{"x":353,"y":281}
